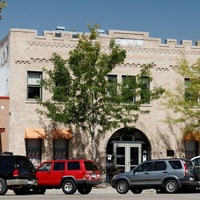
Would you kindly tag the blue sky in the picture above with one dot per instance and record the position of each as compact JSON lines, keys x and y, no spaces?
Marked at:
{"x":165,"y":19}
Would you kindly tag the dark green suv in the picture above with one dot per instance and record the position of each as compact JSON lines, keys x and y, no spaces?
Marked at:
{"x":17,"y":173}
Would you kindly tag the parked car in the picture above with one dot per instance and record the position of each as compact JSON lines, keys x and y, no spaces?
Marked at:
{"x":196,"y":162}
{"x":164,"y":175}
{"x":17,"y":173}
{"x":70,"y":175}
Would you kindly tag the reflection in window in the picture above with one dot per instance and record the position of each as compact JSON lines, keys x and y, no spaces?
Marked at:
{"x":112,"y":86}
{"x":147,"y":166}
{"x":190,"y":94}
{"x":128,"y":89}
{"x":59,"y":166}
{"x":45,"y":167}
{"x":73,"y":165}
{"x":145,"y":90}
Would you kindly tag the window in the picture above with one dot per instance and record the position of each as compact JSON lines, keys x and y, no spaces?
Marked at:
{"x":190,"y":95}
{"x":147,"y":166}
{"x":175,"y":164}
{"x":60,"y":149}
{"x":45,"y":167}
{"x":73,"y":165}
{"x":128,"y":89}
{"x":5,"y":162}
{"x":33,"y":151}
{"x":90,"y":166}
{"x":58,"y":166}
{"x":112,"y":86}
{"x":160,"y":165}
{"x":145,"y":90}
{"x":34,"y":85}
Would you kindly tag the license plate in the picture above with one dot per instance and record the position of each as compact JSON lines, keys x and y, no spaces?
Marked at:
{"x":94,"y":175}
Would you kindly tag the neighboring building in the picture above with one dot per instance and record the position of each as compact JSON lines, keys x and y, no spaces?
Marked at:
{"x":23,"y":56}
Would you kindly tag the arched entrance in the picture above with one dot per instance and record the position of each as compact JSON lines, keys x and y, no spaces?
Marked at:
{"x":126,"y":148}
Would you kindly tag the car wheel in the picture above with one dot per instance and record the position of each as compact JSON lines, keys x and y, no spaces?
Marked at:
{"x":122,"y":187}
{"x":171,"y":186}
{"x":160,"y":191}
{"x":69,"y":187}
{"x":3,"y":186}
{"x":21,"y":191}
{"x":84,"y":189}
{"x":136,"y":190}
{"x":39,"y":190}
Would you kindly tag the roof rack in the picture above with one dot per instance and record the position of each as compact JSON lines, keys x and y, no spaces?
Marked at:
{"x":8,"y":153}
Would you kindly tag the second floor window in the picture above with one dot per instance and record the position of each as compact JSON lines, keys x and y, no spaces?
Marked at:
{"x":34,"y":88}
{"x":128,"y":89}
{"x":112,"y":86}
{"x":190,"y":94}
{"x":145,"y":90}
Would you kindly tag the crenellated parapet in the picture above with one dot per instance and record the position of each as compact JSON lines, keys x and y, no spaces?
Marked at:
{"x":127,"y":39}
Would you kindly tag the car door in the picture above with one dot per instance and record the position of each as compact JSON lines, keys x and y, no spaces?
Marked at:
{"x":43,"y":174}
{"x":158,"y":172}
{"x":50,"y":174}
{"x":57,"y":172}
{"x":141,"y":174}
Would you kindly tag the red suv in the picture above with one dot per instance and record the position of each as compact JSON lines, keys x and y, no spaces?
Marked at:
{"x":70,"y":175}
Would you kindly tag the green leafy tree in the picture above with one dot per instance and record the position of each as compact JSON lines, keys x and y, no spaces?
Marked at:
{"x":3,"y":4}
{"x":82,"y":96}
{"x":184,"y":101}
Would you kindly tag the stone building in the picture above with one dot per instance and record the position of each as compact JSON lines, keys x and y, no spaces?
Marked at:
{"x":24,"y":54}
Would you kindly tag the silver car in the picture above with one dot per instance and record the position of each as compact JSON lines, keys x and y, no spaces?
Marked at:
{"x":168,"y":175}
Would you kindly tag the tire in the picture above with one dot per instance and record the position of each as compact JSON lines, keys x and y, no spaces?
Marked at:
{"x":39,"y":190}
{"x":69,"y":187}
{"x":171,"y":186}
{"x":84,"y":189}
{"x":21,"y":191}
{"x":136,"y":190}
{"x":122,"y":187}
{"x":160,"y":191}
{"x":3,"y":186}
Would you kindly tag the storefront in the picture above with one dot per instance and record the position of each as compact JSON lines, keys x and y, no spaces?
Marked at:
{"x":34,"y":140}
{"x":127,"y":148}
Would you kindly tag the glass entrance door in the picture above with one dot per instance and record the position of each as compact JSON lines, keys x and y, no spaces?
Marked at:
{"x":126,"y":156}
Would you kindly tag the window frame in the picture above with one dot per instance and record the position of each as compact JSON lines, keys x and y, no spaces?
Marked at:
{"x":190,"y":97}
{"x":112,"y":81}
{"x":131,"y":87}
{"x":145,"y":90}
{"x":34,"y":86}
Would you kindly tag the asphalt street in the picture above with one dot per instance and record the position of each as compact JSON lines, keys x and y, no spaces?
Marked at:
{"x":103,"y":192}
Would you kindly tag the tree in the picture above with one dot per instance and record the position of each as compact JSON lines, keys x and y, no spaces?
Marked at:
{"x":83,"y":96}
{"x":3,"y":4}
{"x":184,"y":101}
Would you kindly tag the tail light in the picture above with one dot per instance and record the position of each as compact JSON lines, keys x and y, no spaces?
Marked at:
{"x":185,"y":168}
{"x":92,"y":176}
{"x":16,"y":173}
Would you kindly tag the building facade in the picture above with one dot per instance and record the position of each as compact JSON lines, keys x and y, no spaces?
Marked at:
{"x":24,"y":54}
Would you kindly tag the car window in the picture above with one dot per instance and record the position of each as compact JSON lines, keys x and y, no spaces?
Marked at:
{"x":45,"y":167}
{"x":147,"y":166}
{"x":90,"y":166}
{"x":73,"y":166}
{"x":159,"y":165}
{"x":5,"y":162}
{"x":196,"y":162}
{"x":24,"y":162}
{"x":59,"y":166}
{"x":175,"y":164}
